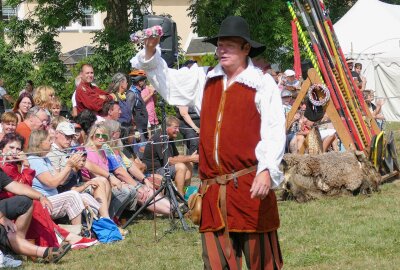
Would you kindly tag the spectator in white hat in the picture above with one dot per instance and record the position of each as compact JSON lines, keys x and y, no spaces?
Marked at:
{"x":286,"y":96}
{"x":59,"y":154}
{"x":290,"y":83}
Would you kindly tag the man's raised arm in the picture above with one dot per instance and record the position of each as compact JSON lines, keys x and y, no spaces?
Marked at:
{"x":182,"y":87}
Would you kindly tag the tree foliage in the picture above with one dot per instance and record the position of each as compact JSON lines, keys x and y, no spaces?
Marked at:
{"x":269,"y":21}
{"x":43,"y":24}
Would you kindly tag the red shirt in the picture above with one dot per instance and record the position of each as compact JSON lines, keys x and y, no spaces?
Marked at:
{"x":88,"y":97}
{"x":24,"y":131}
{"x":42,"y":226}
{"x":24,"y":177}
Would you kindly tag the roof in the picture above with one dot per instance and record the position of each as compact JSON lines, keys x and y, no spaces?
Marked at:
{"x":197,"y":47}
{"x":74,"y":56}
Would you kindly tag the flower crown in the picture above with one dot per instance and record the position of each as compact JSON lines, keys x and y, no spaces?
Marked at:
{"x":153,"y":31}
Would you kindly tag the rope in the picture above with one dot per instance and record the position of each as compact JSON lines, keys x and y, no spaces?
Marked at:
{"x":88,"y":150}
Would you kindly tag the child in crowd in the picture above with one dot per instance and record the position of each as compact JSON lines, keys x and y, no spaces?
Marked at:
{"x":55,"y":107}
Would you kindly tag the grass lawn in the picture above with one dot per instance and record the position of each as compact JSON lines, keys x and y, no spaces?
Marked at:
{"x":343,"y":233}
{"x":335,"y":233}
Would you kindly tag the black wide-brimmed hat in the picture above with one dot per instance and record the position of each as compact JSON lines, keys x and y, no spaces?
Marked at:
{"x":235,"y":26}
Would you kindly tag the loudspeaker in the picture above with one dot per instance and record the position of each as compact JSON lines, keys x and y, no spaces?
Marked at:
{"x":169,"y":41}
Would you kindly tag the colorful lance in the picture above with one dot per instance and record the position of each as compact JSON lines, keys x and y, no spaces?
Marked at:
{"x":296,"y":51}
{"x":304,"y":40}
{"x":340,"y":77}
{"x":336,"y":96}
{"x":375,"y":129}
{"x":348,"y":83}
{"x":324,"y":17}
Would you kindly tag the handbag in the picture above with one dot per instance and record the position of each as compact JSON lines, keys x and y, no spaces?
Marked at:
{"x":106,"y":230}
{"x":195,"y":203}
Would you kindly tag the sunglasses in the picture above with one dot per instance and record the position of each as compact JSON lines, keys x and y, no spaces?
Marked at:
{"x":103,"y":136}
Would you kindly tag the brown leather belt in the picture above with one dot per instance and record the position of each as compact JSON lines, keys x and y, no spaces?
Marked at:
{"x":223,"y":180}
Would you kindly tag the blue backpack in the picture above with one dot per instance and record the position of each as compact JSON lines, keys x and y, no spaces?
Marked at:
{"x":106,"y":230}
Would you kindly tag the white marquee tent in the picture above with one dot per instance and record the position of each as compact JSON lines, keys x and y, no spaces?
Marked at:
{"x":370,"y":33}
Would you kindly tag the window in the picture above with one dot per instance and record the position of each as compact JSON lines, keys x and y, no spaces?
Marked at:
{"x":8,"y":12}
{"x":88,"y":22}
{"x":88,"y":19}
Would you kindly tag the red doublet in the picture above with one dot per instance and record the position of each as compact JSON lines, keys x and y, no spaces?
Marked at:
{"x":238,"y":135}
{"x":88,"y":97}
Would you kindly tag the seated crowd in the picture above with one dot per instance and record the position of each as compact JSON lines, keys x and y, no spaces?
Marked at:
{"x":53,"y":169}
{"x":301,"y":124}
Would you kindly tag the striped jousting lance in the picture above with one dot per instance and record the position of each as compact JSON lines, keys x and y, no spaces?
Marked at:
{"x":331,"y":82}
{"x":304,"y":40}
{"x":325,"y":15}
{"x":340,"y":77}
{"x":344,"y":73}
{"x":314,"y":62}
{"x":330,"y":64}
{"x":322,"y":16}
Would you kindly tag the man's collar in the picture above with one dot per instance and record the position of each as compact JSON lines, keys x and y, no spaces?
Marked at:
{"x":87,"y":84}
{"x":251,"y":76}
{"x":55,"y":147}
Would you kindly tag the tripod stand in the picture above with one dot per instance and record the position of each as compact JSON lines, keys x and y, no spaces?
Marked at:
{"x":166,"y":184}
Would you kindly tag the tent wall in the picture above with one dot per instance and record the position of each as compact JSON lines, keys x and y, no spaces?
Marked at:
{"x":370,"y":33}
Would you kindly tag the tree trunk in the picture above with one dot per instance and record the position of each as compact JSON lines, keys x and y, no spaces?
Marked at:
{"x":116,"y":22}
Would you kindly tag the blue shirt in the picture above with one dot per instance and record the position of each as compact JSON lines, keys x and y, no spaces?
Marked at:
{"x":42,"y":165}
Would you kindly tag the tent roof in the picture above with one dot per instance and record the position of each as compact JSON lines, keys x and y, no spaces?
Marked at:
{"x":369,"y":27}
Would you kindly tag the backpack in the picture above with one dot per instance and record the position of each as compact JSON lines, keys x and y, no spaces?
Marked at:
{"x":106,"y":230}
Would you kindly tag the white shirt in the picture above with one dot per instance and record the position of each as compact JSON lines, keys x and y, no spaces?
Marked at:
{"x":73,"y":99}
{"x":185,"y":87}
{"x":2,"y":92}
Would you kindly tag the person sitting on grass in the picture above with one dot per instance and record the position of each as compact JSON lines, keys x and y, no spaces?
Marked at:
{"x":19,"y":208}
{"x":180,"y":166}
{"x":98,"y":187}
{"x":114,"y":128}
{"x":297,"y":141}
{"x":42,"y":228}
{"x":102,"y":154}
{"x":47,"y":180}
{"x":128,"y":141}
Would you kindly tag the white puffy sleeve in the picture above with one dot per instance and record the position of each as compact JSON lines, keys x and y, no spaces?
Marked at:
{"x":270,"y":150}
{"x":182,"y":87}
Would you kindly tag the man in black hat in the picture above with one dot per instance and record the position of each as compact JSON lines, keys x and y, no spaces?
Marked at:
{"x":242,"y":142}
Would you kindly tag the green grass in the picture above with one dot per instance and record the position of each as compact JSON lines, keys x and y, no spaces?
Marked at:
{"x":343,"y":233}
{"x":335,"y":233}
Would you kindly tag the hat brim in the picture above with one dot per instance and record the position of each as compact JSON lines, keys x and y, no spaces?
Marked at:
{"x":256,"y":48}
{"x":139,"y":78}
{"x":67,"y":133}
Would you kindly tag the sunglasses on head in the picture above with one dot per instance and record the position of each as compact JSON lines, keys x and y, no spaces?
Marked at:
{"x":103,"y":136}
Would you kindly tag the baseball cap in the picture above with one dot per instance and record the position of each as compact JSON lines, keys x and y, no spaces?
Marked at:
{"x":66,"y":127}
{"x":289,"y":72}
{"x":286,"y":93}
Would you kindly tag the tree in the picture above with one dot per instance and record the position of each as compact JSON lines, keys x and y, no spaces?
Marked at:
{"x":43,"y":24}
{"x":269,"y":21}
